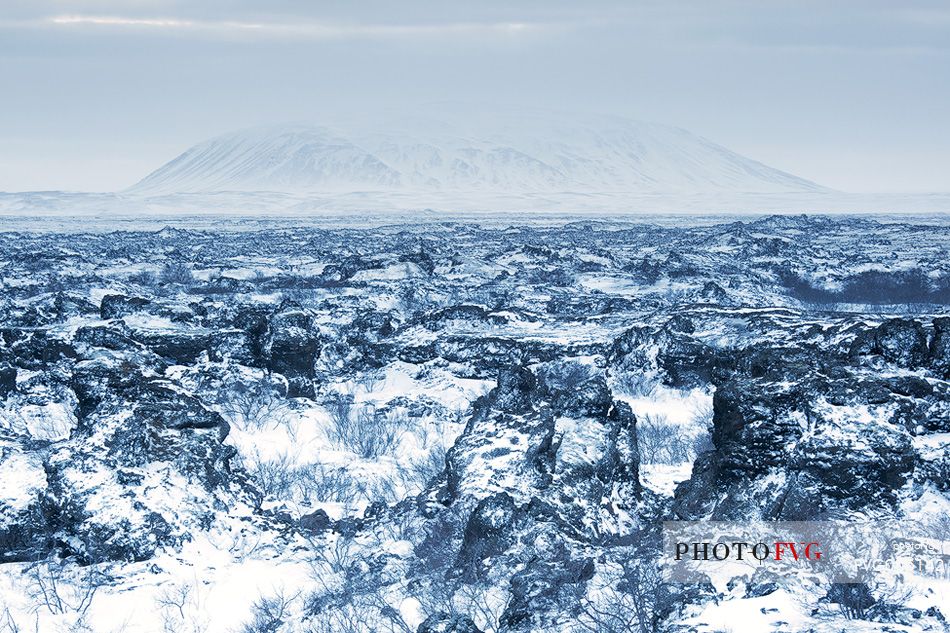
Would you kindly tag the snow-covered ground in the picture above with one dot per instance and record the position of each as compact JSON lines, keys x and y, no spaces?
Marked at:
{"x":301,"y":428}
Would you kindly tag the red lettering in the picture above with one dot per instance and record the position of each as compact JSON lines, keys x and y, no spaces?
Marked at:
{"x":778,"y":549}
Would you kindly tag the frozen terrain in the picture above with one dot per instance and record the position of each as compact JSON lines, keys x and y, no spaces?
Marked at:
{"x":244,"y":425}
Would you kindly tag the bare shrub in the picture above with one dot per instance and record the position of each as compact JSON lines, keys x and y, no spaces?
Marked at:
{"x":176,"y":273}
{"x":51,"y":585}
{"x":484,"y":605}
{"x":891,"y":597}
{"x":661,"y":442}
{"x":145,"y":278}
{"x":636,"y":384}
{"x":180,"y":609}
{"x":370,"y":381}
{"x":568,"y":376}
{"x":174,"y":598}
{"x":254,"y":406}
{"x":269,"y":613}
{"x":322,"y":483}
{"x":876,"y":593}
{"x":854,"y":599}
{"x":362,"y":615}
{"x":9,"y":624}
{"x":364,"y":430}
{"x":275,"y":477}
{"x":340,"y":408}
{"x":703,"y":412}
{"x":702,"y":443}
{"x":347,"y":599}
{"x":703,"y":426}
{"x":938,"y":527}
{"x":623,"y":599}
{"x":281,"y":478}
{"x":249,"y":402}
{"x":422,"y":471}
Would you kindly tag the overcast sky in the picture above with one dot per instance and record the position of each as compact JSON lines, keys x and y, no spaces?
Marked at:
{"x":853,"y":94}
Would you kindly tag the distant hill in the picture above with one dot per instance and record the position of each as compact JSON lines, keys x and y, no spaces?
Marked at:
{"x":504,"y":153}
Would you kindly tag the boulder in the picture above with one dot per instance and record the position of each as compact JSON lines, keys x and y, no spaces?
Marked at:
{"x":118,"y":306}
{"x":115,"y":336}
{"x":316,"y":521}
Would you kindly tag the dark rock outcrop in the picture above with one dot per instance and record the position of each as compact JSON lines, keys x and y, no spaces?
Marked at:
{"x":940,"y":347}
{"x":446,"y":623}
{"x":489,"y":532}
{"x":292,"y":346}
{"x":543,"y":588}
{"x":899,"y":341}
{"x":620,"y":466}
{"x":118,"y":306}
{"x":7,"y":379}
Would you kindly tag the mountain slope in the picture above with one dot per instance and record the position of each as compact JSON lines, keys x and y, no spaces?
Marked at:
{"x":509,"y":153}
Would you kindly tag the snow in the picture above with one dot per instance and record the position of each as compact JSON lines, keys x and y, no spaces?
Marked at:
{"x":581,"y":442}
{"x":393,"y":272}
{"x":677,"y":406}
{"x":663,"y":478}
{"x":247,"y":211}
{"x":23,"y":477}
{"x":516,"y":152}
{"x":932,"y":444}
{"x":752,"y":614}
{"x":301,"y":435}
{"x":143,"y":321}
{"x":50,"y":421}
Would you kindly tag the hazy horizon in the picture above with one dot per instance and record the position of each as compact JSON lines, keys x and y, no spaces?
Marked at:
{"x":99,"y":93}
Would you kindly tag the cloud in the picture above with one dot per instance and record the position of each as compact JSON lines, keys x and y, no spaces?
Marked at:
{"x":305,"y":29}
{"x":101,"y":20}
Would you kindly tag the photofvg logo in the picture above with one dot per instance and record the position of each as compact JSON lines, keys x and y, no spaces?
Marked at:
{"x":839,"y":551}
{"x":742,"y":550}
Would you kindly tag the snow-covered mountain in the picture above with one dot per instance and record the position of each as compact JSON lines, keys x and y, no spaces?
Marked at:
{"x":507,"y":153}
